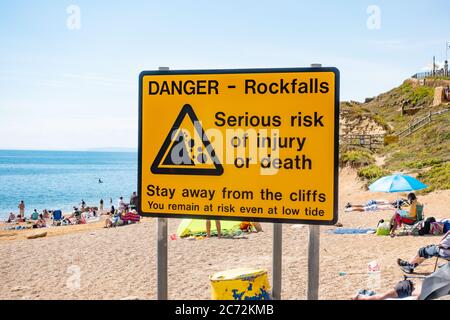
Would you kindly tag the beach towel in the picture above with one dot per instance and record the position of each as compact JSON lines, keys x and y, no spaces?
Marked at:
{"x":130,"y":216}
{"x":436,"y":228}
{"x":197,"y":227}
{"x":353,"y":231}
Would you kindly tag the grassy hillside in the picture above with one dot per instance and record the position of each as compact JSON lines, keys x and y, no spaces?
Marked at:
{"x":388,"y":105}
{"x":425,"y":153}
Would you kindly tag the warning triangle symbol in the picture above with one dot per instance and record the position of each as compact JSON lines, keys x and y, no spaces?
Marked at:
{"x":186,"y":149}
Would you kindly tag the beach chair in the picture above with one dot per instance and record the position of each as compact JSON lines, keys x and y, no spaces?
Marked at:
{"x":57,"y":217}
{"x":436,"y":266}
{"x":407,"y":226}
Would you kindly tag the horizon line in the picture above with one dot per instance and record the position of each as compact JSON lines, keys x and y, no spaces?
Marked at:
{"x":130,"y":150}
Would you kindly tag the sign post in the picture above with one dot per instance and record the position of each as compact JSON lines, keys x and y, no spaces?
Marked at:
{"x":161,"y":251}
{"x":277,"y":254}
{"x":243,"y":145}
{"x":313,"y":253}
{"x":313,"y":262}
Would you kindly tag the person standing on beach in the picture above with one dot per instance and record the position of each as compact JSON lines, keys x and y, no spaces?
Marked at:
{"x":21,"y":209}
{"x":83,"y":205}
{"x":208,"y":228}
{"x":133,"y":201}
{"x":101,"y":204}
{"x":121,"y":204}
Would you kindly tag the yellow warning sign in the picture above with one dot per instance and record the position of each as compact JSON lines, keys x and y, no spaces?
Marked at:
{"x":253,"y":144}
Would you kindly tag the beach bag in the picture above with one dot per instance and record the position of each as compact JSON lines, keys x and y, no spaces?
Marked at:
{"x":446,"y":223}
{"x":415,"y":230}
{"x":426,"y":226}
{"x":436,"y":228}
{"x":383,"y":228}
{"x":245,"y":226}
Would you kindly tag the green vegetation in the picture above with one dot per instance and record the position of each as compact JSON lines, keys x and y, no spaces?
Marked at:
{"x":355,"y":111}
{"x":424,"y":163}
{"x":425,"y":153}
{"x":438,"y":78}
{"x":416,"y":95}
{"x":425,"y":148}
{"x":437,"y":178}
{"x":372,"y":173}
{"x":356,"y":158}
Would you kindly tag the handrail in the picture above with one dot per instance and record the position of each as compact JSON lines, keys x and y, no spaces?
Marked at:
{"x":419,"y":123}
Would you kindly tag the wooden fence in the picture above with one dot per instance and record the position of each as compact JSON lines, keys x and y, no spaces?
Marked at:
{"x":420,"y":123}
{"x":370,"y":141}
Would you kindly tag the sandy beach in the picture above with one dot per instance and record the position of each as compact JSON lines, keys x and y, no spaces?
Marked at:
{"x":120,"y":263}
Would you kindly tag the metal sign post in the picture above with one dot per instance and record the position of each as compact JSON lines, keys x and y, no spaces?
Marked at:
{"x":313,"y":262}
{"x":162,"y":259}
{"x":276,"y":260}
{"x":313,"y":252}
{"x":161,"y":250}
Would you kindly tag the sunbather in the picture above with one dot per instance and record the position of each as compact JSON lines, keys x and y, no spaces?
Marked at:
{"x":114,"y":221}
{"x":442,"y":250}
{"x":11,"y":218}
{"x":403,"y":216}
{"x":402,"y":289}
{"x":371,"y":205}
{"x":40,"y":223}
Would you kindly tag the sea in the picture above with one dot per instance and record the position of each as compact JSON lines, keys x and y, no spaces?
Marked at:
{"x":62,"y":179}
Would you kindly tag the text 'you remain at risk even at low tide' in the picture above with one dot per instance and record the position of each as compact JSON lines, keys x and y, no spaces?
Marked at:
{"x":265,"y":194}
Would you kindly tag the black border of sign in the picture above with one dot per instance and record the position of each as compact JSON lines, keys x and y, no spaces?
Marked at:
{"x":249,"y":71}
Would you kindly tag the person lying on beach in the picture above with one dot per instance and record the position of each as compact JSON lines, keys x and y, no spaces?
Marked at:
{"x":67,"y":221}
{"x":402,"y":289}
{"x":371,"y":205}
{"x":40,"y":223}
{"x":441,"y":250}
{"x":11,"y":218}
{"x":403,"y":216}
{"x":91,"y":213}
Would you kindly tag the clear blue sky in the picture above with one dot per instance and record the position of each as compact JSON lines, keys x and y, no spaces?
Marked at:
{"x":75,"y":89}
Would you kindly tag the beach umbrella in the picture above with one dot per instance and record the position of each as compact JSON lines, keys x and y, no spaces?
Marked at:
{"x":397,"y":183}
{"x":437,"y":284}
